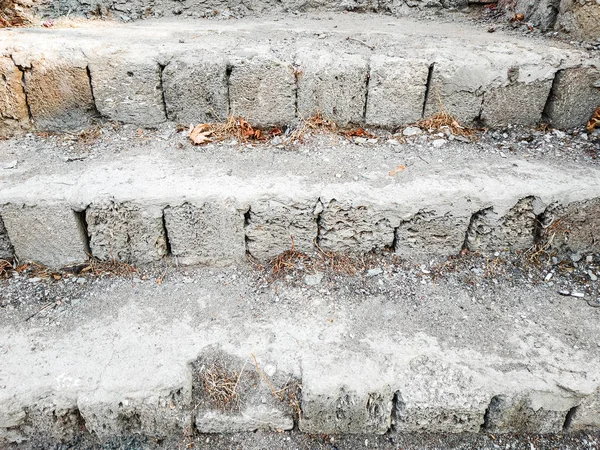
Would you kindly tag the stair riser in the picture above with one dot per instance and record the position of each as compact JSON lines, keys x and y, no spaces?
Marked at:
{"x":273,"y":86}
{"x":223,"y":232}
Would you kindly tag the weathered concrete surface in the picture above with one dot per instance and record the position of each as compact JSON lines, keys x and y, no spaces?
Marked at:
{"x":354,"y":69}
{"x":57,"y":86}
{"x":574,"y":92}
{"x":423,"y":357}
{"x":125,"y":232}
{"x":210,"y":232}
{"x":275,"y":226}
{"x":45,"y":233}
{"x":128,"y":86}
{"x":195,"y":88}
{"x":396,"y":91}
{"x":13,"y":106}
{"x":516,"y":229}
{"x":262,"y":89}
{"x":573,"y":227}
{"x":579,"y":18}
{"x":332,"y":83}
{"x":217,"y":205}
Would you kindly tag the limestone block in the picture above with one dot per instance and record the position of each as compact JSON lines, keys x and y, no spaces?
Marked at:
{"x":575,"y":96}
{"x":575,"y":227}
{"x":430,"y":232}
{"x":489,"y":232}
{"x":48,"y":234}
{"x":396,"y":91}
{"x":58,"y":91}
{"x":127,"y":87}
{"x":262,"y":89}
{"x":273,"y":224}
{"x":334,"y":84}
{"x":195,"y":88}
{"x":357,"y":228}
{"x":206,"y":233}
{"x":13,"y":105}
{"x":125,"y":232}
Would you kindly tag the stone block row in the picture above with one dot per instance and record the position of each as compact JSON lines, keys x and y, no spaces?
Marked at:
{"x":222,"y":232}
{"x":61,"y":91}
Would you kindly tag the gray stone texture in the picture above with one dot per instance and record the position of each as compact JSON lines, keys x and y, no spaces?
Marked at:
{"x":195,"y":88}
{"x":13,"y":105}
{"x":59,"y":94}
{"x":262,"y":89}
{"x":489,"y":232}
{"x":574,"y":227}
{"x":47,"y":234}
{"x":541,"y":13}
{"x":125,"y":232}
{"x":6,"y":248}
{"x":429,"y":232}
{"x":332,"y":83}
{"x":575,"y":96}
{"x":275,"y":225}
{"x":457,"y":87}
{"x":128,"y":87}
{"x":211,"y":232}
{"x":528,"y":414}
{"x":396,"y":91}
{"x":587,"y":413}
{"x":258,"y":417}
{"x":357,"y":228}
{"x":516,"y":103}
{"x":579,"y":18}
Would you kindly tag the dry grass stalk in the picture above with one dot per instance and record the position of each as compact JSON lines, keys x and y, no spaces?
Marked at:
{"x":90,"y":135}
{"x":314,"y":124}
{"x":5,"y":268}
{"x":234,"y":127}
{"x":443,"y":120}
{"x":594,"y":121}
{"x":288,"y":261}
{"x":97,"y":267}
{"x":220,"y":385}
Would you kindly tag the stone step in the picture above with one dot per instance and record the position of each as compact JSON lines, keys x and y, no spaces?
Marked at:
{"x":146,"y":197}
{"x":363,"y":70}
{"x":223,"y":350}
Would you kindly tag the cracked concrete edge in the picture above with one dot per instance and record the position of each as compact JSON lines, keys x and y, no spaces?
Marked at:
{"x":142,"y":86}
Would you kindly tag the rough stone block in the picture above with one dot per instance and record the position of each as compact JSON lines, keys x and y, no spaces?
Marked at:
{"x":439,"y":397}
{"x":6,"y":248}
{"x":13,"y":105}
{"x":429,"y":232}
{"x":126,"y":232}
{"x":530,"y":413}
{"x":262,"y":89}
{"x":458,"y":84}
{"x":488,"y":232}
{"x":518,"y":100}
{"x":587,"y":414}
{"x":206,"y":233}
{"x":51,"y":235}
{"x":196,"y":88}
{"x":334,"y":84}
{"x":59,"y":94}
{"x":341,"y":398}
{"x":273,"y":224}
{"x":396,"y":91}
{"x":345,"y":227}
{"x":575,"y":96}
{"x":574,"y":227}
{"x":128,"y":88}
{"x":109,"y":414}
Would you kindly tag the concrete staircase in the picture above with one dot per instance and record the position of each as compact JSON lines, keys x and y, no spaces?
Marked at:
{"x":353,"y":355}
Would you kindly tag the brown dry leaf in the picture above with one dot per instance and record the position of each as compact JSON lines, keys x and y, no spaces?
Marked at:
{"x":200,"y":134}
{"x":359,"y":132}
{"x":396,"y":170}
{"x":594,"y":121}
